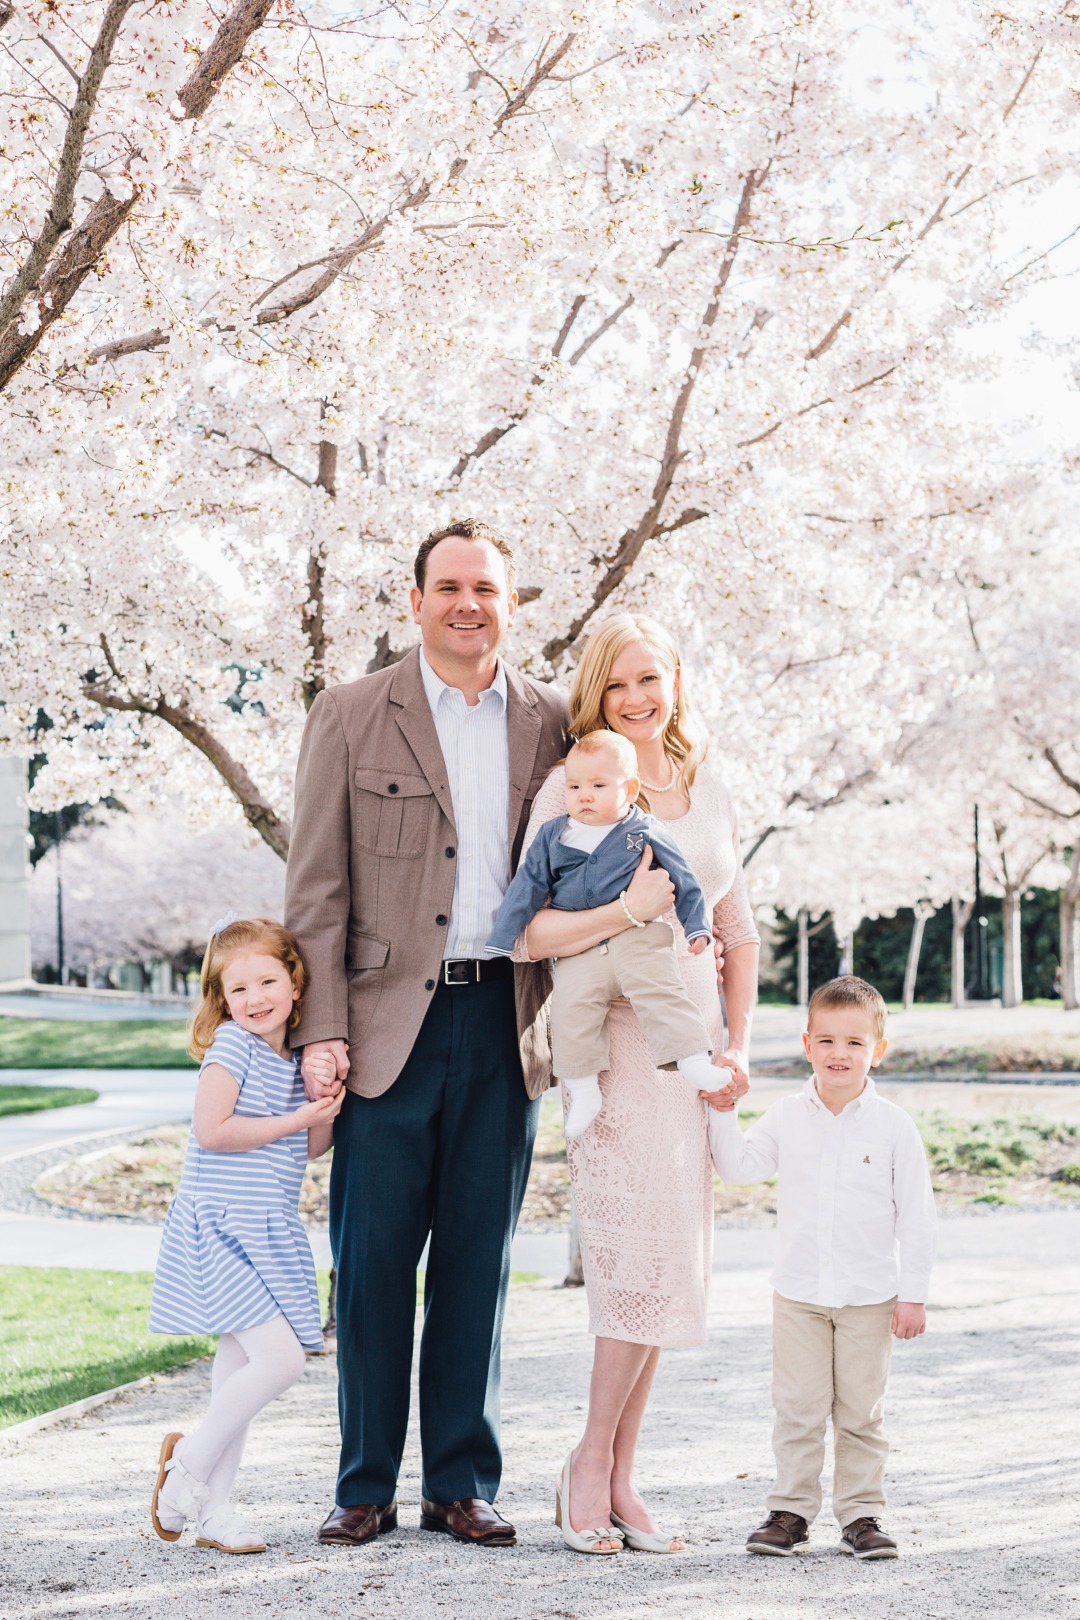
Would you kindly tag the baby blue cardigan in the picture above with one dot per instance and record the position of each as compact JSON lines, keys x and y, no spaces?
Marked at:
{"x":577,"y":880}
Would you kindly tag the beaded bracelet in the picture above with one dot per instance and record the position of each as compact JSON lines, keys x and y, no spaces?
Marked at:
{"x":628,"y":913}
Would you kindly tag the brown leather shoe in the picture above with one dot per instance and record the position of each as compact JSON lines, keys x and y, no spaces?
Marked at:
{"x":352,"y":1526}
{"x":468,"y":1519}
{"x":779,"y":1535}
{"x":866,"y":1539}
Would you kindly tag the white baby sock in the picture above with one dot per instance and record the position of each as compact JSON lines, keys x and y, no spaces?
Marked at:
{"x":700,"y":1074}
{"x":585,"y":1103}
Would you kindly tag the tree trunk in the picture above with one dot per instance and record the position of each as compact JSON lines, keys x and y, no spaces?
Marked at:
{"x":329,"y":1332}
{"x":961,"y":916}
{"x":923,"y":912}
{"x":803,"y":990}
{"x":1012,"y":991}
{"x":1070,"y":936}
{"x":575,"y":1276}
{"x":847,"y":954}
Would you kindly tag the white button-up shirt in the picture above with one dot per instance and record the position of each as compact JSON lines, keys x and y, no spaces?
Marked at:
{"x":474,"y":745}
{"x":855,"y":1206}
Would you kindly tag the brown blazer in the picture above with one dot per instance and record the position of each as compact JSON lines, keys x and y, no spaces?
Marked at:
{"x":372,"y":862}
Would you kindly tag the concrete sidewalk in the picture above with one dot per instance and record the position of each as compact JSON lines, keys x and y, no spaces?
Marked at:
{"x":135,"y":1098}
{"x":985,"y":1431}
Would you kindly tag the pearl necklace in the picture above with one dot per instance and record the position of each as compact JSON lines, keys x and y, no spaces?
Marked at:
{"x":653,"y":788}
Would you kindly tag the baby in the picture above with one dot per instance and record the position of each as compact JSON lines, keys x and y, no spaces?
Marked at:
{"x":586,"y":858}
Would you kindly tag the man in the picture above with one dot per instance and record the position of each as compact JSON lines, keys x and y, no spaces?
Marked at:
{"x":413,"y":791}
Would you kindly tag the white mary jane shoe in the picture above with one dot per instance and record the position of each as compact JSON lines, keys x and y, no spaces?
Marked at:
{"x":224,"y":1529}
{"x":654,"y":1541}
{"x":178,"y":1495}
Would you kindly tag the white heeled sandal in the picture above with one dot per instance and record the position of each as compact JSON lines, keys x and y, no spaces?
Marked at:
{"x":583,"y":1541}
{"x":654,"y":1541}
{"x":224,"y":1529}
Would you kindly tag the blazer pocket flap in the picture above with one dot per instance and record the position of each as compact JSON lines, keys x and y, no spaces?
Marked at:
{"x":392,"y":784}
{"x":365,"y":951}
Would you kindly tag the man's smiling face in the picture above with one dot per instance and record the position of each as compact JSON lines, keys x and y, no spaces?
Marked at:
{"x":464,"y":609}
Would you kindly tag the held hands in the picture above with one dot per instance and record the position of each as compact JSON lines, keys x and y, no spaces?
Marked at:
{"x":324,"y":1065}
{"x":696,"y":946}
{"x":908,"y":1320}
{"x":322,"y":1112}
{"x":725,"y":1098}
{"x":650,"y":891}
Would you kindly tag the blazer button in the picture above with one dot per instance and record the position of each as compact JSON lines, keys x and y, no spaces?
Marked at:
{"x":393,"y":788}
{"x":450,"y":852}
{"x":440,"y":919}
{"x":429,"y":984}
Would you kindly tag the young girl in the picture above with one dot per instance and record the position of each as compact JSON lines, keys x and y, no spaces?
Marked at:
{"x":234,"y":1258}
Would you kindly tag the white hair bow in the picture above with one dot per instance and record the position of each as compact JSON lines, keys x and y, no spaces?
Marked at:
{"x":223,"y":922}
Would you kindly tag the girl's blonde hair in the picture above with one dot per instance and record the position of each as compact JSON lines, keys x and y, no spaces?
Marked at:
{"x":262,"y":934}
{"x":685,"y":739}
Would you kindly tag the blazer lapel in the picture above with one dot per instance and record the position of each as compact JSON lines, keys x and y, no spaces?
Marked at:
{"x":413,"y":714}
{"x":523,"y":727}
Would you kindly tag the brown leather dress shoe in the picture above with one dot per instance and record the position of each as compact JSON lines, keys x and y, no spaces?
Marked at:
{"x":352,"y":1526}
{"x":866,"y":1539}
{"x":468,"y":1519}
{"x":779,"y":1535}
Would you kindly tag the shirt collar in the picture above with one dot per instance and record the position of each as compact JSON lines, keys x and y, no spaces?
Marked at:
{"x":857,"y":1104}
{"x":436,"y":688}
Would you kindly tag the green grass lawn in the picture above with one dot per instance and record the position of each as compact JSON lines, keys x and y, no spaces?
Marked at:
{"x":33,"y":1099}
{"x":77,"y":1043}
{"x":65,"y":1334}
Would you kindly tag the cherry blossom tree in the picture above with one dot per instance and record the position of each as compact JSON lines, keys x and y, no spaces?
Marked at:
{"x":141,"y":888}
{"x":681,"y":301}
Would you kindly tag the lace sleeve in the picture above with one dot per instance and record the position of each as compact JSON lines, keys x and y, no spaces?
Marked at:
{"x":733,"y":918}
{"x":549,"y":802}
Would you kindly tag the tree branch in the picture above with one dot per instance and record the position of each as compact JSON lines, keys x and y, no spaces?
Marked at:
{"x":56,"y":283}
{"x":542,"y":71}
{"x":58,"y":219}
{"x":825,"y":343}
{"x":221,"y":55}
{"x":818,"y":404}
{"x":341,"y":259}
{"x":633,"y":539}
{"x":1059,"y":770}
{"x":257,"y":811}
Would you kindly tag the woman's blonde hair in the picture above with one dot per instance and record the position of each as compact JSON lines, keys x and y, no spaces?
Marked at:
{"x":685,"y":738}
{"x":261,"y":934}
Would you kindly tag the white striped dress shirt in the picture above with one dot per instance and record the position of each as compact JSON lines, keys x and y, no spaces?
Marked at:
{"x":474,"y":746}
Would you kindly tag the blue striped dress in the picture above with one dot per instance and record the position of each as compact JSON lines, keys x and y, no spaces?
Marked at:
{"x":234,"y":1252}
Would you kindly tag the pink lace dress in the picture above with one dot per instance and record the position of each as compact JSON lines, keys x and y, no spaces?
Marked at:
{"x":641,"y":1174}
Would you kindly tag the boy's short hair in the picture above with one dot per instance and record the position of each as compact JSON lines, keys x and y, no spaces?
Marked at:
{"x":610,"y":742}
{"x":849,"y":991}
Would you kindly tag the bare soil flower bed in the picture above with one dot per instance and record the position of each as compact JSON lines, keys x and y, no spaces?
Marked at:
{"x":1009,"y":1159}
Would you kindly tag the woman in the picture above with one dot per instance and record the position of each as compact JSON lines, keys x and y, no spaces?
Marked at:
{"x":641,"y":1173}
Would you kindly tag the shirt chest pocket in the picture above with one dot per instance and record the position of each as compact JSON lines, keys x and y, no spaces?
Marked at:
{"x":391,"y":812}
{"x":869,"y":1168}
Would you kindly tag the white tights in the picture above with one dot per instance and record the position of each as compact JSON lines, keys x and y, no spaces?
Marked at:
{"x":251,"y":1368}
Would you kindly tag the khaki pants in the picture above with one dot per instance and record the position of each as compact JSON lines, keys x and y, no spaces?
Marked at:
{"x":640,"y":965}
{"x":830,"y":1363}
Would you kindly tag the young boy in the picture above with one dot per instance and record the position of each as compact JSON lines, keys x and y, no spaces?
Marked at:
{"x":857,"y":1234}
{"x":587,"y":858}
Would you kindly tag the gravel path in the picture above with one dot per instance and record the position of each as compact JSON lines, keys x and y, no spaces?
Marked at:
{"x":986,"y":1439}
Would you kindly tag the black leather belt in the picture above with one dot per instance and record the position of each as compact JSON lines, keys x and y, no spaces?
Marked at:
{"x":475,"y":970}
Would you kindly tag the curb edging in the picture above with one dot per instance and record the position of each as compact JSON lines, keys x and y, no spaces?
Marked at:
{"x":76,"y":1409}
